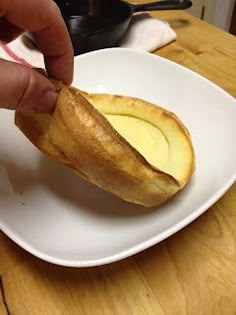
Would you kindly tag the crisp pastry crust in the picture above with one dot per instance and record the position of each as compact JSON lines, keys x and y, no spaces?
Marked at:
{"x":79,"y":136}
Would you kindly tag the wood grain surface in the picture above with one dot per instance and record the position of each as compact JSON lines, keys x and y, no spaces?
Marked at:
{"x":192,"y":272}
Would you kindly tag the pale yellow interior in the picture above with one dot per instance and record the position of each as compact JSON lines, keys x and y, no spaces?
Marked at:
{"x":146,"y":138}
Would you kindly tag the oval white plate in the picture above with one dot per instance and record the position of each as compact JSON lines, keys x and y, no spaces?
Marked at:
{"x":53,"y":214}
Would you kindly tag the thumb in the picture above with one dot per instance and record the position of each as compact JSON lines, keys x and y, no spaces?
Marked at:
{"x":24,"y":89}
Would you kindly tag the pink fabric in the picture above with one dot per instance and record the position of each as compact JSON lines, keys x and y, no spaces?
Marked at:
{"x":13,"y":56}
{"x":18,"y":52}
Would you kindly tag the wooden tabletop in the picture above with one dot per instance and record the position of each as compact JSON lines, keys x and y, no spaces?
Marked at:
{"x":192,"y":272}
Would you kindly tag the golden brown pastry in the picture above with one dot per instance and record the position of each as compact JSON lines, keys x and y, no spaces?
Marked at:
{"x":126,"y":146}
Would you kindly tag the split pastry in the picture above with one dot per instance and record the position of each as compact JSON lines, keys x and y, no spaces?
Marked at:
{"x":140,"y":152}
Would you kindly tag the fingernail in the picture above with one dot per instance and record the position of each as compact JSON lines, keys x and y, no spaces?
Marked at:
{"x":47,"y":102}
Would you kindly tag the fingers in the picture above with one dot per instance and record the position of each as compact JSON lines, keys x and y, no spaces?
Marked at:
{"x":25,"y":89}
{"x":43,"y":18}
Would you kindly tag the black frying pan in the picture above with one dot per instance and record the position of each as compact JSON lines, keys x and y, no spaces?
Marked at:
{"x":95,"y":24}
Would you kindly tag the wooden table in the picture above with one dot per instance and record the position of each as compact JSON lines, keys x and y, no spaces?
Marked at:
{"x":192,"y":272}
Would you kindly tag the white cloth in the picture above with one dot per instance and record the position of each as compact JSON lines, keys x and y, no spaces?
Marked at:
{"x":148,"y":34}
{"x":145,"y":34}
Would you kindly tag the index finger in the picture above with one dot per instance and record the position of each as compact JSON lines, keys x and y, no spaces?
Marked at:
{"x":44,"y":20}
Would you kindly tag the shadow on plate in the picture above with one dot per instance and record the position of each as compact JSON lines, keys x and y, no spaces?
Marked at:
{"x":49,"y":175}
{"x":71,"y":189}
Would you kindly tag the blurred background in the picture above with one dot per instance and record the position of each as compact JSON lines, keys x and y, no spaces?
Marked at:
{"x":221,"y":13}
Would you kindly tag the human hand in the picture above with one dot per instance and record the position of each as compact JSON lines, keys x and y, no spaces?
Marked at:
{"x":23,"y":88}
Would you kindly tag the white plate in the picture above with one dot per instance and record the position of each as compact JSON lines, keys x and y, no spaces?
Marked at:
{"x":56,"y":216}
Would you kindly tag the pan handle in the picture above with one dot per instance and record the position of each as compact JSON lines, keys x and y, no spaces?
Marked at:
{"x":162,"y":5}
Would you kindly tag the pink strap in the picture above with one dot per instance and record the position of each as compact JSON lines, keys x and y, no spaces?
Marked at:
{"x":11,"y":54}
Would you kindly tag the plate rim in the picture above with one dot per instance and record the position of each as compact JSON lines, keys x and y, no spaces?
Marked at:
{"x":154,"y":240}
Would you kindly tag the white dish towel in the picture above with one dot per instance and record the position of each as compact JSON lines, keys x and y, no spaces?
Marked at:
{"x":148,"y":34}
{"x":145,"y":33}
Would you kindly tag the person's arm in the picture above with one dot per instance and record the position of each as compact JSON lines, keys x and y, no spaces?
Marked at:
{"x":23,"y":88}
